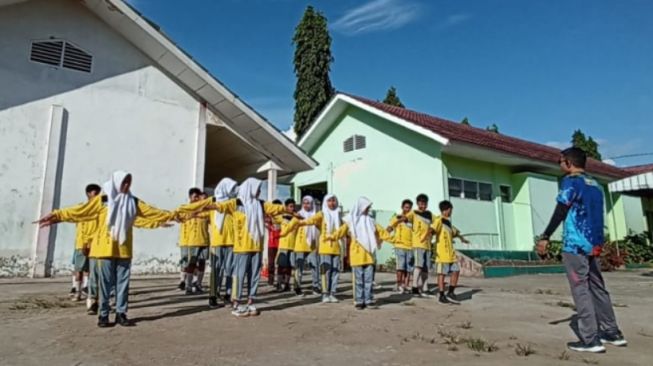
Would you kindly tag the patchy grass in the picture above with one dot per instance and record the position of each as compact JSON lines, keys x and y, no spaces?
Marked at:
{"x":524,"y":350}
{"x":547,"y":291}
{"x":466,"y":325}
{"x":590,"y":361}
{"x":452,"y":348}
{"x":36,"y":303}
{"x":480,"y":345}
{"x":564,"y":356}
{"x":450,"y":338}
{"x":565,"y":304}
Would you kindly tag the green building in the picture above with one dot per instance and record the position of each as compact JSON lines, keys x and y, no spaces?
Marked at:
{"x":503,"y":189}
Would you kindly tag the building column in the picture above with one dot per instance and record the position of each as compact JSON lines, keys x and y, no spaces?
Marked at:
{"x":200,"y":146}
{"x":272,"y":169}
{"x":43,"y":246}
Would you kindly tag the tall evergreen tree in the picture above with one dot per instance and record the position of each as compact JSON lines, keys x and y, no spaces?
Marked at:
{"x":391,"y":98}
{"x":465,"y":121}
{"x":312,"y":65}
{"x":588,"y":144}
{"x":493,"y":128}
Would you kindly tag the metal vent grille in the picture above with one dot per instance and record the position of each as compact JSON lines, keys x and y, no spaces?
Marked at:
{"x":61,"y":54}
{"x":359,"y":142}
{"x":348,"y":145}
{"x":47,"y":52}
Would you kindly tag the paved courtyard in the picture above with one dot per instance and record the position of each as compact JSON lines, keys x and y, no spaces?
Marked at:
{"x":499,"y":323}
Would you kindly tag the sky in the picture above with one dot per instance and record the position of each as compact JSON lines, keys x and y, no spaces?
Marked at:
{"x":538,"y":69}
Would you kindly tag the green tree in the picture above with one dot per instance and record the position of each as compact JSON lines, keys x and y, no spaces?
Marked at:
{"x":312,"y":63}
{"x":465,"y":121}
{"x":493,"y":128}
{"x":391,"y":98}
{"x":588,"y":144}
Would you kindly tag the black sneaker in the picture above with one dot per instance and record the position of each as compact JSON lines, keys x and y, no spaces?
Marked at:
{"x":443,"y":300}
{"x":614,"y":338}
{"x":453,"y":297}
{"x":213,"y":302}
{"x":85,"y":290}
{"x":197,"y":288}
{"x":188,"y":291}
{"x":594,"y":347}
{"x":93,"y":309}
{"x":182,"y":285}
{"x":121,"y":318}
{"x":103,"y":322}
{"x":286,"y":288}
{"x":317,"y":291}
{"x":415,"y":291}
{"x":359,"y":306}
{"x":299,"y":292}
{"x":72,"y":292}
{"x":227,"y":299}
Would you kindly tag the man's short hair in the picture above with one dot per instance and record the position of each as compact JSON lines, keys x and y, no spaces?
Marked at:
{"x":277,"y":202}
{"x":93,"y":188}
{"x":193,"y":191}
{"x":445,"y":205}
{"x":289,"y":201}
{"x":575,"y":156}
{"x":406,"y":202}
{"x":422,"y":198}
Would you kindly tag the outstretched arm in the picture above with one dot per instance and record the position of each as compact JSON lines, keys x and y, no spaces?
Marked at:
{"x":340,"y":233}
{"x":86,"y":211}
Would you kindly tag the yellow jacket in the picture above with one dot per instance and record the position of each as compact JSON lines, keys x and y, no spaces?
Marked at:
{"x":403,"y":234}
{"x":84,"y":233}
{"x":103,"y":246}
{"x":301,"y":240}
{"x":194,"y":230}
{"x":326,"y":246}
{"x":226,"y":238}
{"x":288,"y":234}
{"x":358,"y":256}
{"x":421,"y":222}
{"x":444,"y":234}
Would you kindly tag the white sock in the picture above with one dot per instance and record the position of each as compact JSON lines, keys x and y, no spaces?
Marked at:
{"x":85,"y":281}
{"x":74,"y":280}
{"x":425,"y":278}
{"x":78,"y":286}
{"x":200,"y":277}
{"x":182,"y":276}
{"x":189,"y":280}
{"x":416,"y":277}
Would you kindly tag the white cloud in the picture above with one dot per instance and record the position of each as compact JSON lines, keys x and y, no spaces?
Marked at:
{"x":557,"y":144}
{"x":455,"y":19}
{"x":290,"y":133}
{"x":610,"y":162}
{"x":377,"y":15}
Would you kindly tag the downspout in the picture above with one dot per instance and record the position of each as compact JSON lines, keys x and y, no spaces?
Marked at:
{"x":614,"y":221}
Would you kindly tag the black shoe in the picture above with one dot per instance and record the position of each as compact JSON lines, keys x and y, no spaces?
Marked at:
{"x":594,"y":347}
{"x":227,"y":299}
{"x":93,"y":309}
{"x":213,"y":302}
{"x":286,"y":288}
{"x":103,"y":322}
{"x":317,"y":291}
{"x":453,"y":297}
{"x":182,"y":285}
{"x":443,"y":300}
{"x":197,"y":288}
{"x":614,"y":338}
{"x":73,"y":291}
{"x":188,"y":291}
{"x":359,"y":306}
{"x":415,"y":291}
{"x":122,"y":319}
{"x":299,"y":292}
{"x":85,"y":290}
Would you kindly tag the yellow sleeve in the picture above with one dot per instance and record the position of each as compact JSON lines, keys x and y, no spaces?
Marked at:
{"x":456,"y":232}
{"x":315,"y":220}
{"x":393,"y":221}
{"x":204,"y":215}
{"x":437,"y":225}
{"x":340,"y":233}
{"x":272,"y":209}
{"x":153,"y":214}
{"x":410,"y":216}
{"x":289,"y":228}
{"x":208,"y":204}
{"x":383,"y":234}
{"x":147,"y":223}
{"x":79,"y":213}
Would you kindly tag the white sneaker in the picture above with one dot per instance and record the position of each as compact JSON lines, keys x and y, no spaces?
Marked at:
{"x":325,"y":299}
{"x":252,"y":311}
{"x":333,"y":299}
{"x":241,"y":311}
{"x":89,"y":303}
{"x":376,"y":286}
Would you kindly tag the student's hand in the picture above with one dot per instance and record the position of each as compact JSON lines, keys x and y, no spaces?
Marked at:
{"x":168,"y":224}
{"x":86,"y":250}
{"x":390,"y":229}
{"x":44,"y":219}
{"x":465,"y":241}
{"x":542,"y":246}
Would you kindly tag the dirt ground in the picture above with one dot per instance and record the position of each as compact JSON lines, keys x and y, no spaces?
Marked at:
{"x":499,"y":319}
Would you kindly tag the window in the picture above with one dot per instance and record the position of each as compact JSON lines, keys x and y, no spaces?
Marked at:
{"x":61,"y":54}
{"x":356,"y":142}
{"x":469,"y":189}
{"x":485,"y":191}
{"x":455,"y":188}
{"x":506,"y":194}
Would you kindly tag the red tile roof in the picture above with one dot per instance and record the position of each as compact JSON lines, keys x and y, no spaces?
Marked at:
{"x":471,"y":135}
{"x":639,"y":169}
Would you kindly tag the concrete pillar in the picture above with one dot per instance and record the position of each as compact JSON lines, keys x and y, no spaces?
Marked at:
{"x":43,"y":246}
{"x":271,"y":168}
{"x":200,"y":146}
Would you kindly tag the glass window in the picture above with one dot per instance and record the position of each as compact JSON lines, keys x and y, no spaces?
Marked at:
{"x":470,"y":190}
{"x":506,"y":194}
{"x":455,"y":187}
{"x":485,"y":191}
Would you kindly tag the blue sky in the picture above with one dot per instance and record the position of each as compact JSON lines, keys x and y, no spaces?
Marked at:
{"x":538,"y":69}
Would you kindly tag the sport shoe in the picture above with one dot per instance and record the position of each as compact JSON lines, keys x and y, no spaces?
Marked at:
{"x":182,"y":285}
{"x":299,"y":292}
{"x":240,"y":312}
{"x":197,"y":288}
{"x":614,"y":338}
{"x":103,"y":322}
{"x":189,"y":291}
{"x":316,"y":291}
{"x":453,"y":297}
{"x":359,"y":306}
{"x":333,"y":299}
{"x":121,"y":319}
{"x":594,"y":347}
{"x":72,"y":292}
{"x":92,"y":310}
{"x":77,"y":297}
{"x":213,"y":302}
{"x":377,"y":286}
{"x":85,"y":290}
{"x":443,"y":300}
{"x":227,"y":299}
{"x":325,"y":299}
{"x":252,"y":310}
{"x":415,"y":291}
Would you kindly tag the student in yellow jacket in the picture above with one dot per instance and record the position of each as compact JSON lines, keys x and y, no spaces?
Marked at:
{"x":193,"y":243}
{"x":421,"y":221}
{"x":84,"y":232}
{"x":116,"y":212}
{"x":305,"y":251}
{"x":328,"y":221}
{"x":287,"y":238}
{"x":403,"y":243}
{"x":366,"y":237}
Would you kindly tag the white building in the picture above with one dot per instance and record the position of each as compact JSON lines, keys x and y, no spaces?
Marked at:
{"x":87,"y":87}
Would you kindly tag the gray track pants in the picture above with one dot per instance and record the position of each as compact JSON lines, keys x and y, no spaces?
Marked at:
{"x":593,"y":304}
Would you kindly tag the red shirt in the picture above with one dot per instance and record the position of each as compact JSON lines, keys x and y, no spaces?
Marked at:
{"x":273,"y":235}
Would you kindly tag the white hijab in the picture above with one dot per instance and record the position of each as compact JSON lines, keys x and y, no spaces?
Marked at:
{"x":312,"y":233}
{"x":225,"y":190}
{"x":362,"y":227}
{"x":332,"y":217}
{"x":122,"y":207}
{"x":252,"y":208}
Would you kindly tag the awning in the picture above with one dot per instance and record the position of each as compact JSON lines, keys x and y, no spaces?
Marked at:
{"x":636,"y":185}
